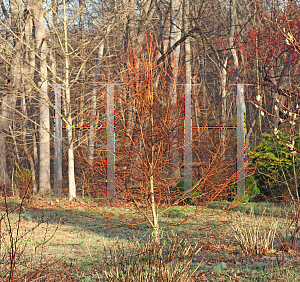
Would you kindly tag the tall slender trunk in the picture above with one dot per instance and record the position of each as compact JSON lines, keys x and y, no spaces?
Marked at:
{"x":259,"y":92}
{"x":151,"y":166}
{"x":188,"y":57}
{"x":80,"y":115}
{"x":233,"y":24}
{"x":91,"y":142}
{"x":223,"y":74}
{"x":71,"y":162}
{"x":26,"y":96}
{"x":10,"y":94}
{"x":52,"y":53}
{"x":130,"y":43}
{"x":188,"y":170}
{"x":175,"y":34}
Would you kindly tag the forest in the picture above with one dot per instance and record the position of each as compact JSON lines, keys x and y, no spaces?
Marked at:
{"x":149,"y":140}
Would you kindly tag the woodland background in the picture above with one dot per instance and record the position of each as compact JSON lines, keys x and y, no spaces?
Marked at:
{"x":142,"y":45}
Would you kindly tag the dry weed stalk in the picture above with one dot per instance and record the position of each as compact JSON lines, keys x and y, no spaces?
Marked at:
{"x":289,"y":233}
{"x":251,"y":234}
{"x":16,"y":263}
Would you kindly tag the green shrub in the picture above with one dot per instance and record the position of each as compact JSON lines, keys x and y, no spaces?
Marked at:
{"x":179,"y":190}
{"x":251,"y":188}
{"x":274,"y":157}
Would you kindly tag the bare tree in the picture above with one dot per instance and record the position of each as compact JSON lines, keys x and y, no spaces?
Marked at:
{"x":12,"y":56}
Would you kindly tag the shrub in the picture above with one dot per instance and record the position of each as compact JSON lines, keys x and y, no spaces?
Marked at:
{"x":179,"y":190}
{"x":18,"y":263}
{"x":251,"y":188}
{"x":289,"y":232}
{"x":24,"y":183}
{"x":251,"y":235}
{"x":277,"y":163}
{"x":169,"y":260}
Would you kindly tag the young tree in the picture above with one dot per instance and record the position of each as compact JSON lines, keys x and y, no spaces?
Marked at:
{"x":144,"y":151}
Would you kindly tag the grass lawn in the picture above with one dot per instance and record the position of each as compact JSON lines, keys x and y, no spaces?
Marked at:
{"x":74,"y":238}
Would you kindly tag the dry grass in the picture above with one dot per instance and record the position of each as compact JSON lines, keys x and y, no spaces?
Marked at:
{"x":251,"y":233}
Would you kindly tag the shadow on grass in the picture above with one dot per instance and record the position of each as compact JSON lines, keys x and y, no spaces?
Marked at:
{"x":76,"y":219}
{"x":120,"y":222}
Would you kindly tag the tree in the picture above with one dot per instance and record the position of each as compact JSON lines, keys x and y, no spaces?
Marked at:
{"x":11,"y":54}
{"x":144,"y":151}
{"x":44,"y":121}
{"x":175,"y":34}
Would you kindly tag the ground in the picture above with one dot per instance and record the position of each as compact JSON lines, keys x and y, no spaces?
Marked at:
{"x":74,"y":238}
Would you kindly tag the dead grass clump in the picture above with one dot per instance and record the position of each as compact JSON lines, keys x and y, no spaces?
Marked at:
{"x":252,"y":233}
{"x":170,"y":261}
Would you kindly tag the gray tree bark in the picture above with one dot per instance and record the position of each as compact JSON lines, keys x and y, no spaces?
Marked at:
{"x":9,"y":97}
{"x":175,"y":34}
{"x":91,"y":142}
{"x":42,"y":83}
{"x":26,"y":95}
{"x":188,"y":170}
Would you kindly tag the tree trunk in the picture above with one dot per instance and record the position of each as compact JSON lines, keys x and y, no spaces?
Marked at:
{"x":188,"y":170}
{"x":4,"y":178}
{"x":71,"y":163}
{"x":152,"y":170}
{"x":9,"y":97}
{"x":44,"y":115}
{"x":233,"y":23}
{"x":175,"y":34}
{"x":130,"y":27}
{"x":26,"y":95}
{"x":80,"y":115}
{"x":223,"y":74}
{"x":91,"y":143}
